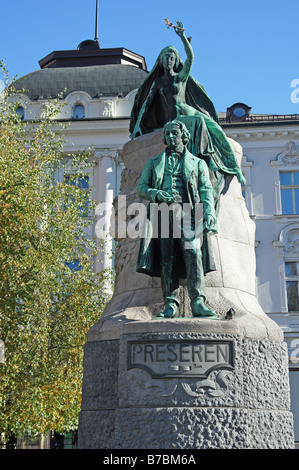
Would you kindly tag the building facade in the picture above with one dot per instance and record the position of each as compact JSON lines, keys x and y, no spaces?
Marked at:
{"x":271,"y":167}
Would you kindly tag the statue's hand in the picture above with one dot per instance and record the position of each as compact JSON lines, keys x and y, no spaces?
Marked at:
{"x":163,"y":196}
{"x":209,"y":222}
{"x":180,"y":32}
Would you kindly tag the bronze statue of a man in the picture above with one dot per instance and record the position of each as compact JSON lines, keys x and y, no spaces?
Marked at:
{"x":177,"y":177}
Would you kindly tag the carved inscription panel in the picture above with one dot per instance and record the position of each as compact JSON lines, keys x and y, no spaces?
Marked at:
{"x":181,"y":358}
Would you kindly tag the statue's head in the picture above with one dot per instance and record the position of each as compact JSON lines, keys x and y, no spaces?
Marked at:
{"x":185,"y":134}
{"x":167,"y":51}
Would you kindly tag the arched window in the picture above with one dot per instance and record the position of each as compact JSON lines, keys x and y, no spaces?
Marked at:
{"x":79,"y":111}
{"x":20,"y":111}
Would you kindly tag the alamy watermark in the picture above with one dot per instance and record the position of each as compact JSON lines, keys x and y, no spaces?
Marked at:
{"x":295,"y":92}
{"x":137,"y":220}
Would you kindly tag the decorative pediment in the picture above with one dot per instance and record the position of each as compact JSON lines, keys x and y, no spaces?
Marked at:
{"x":292,"y":241}
{"x":290,"y":156}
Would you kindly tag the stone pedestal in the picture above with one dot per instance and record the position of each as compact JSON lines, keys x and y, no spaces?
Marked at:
{"x":186,"y":383}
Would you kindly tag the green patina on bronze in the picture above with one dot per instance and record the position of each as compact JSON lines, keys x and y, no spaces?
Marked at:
{"x":170,"y":92}
{"x":177,"y":176}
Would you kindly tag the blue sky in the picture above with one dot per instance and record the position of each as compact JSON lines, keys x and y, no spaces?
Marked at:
{"x":245,"y":51}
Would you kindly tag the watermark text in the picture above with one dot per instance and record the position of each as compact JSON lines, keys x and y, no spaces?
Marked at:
{"x":295,"y":92}
{"x":156,"y":220}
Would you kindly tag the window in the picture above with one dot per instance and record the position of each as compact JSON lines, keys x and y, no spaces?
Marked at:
{"x":74,"y":266}
{"x":79,"y":112}
{"x":238,"y":112}
{"x":286,"y":180}
{"x":292,"y":285}
{"x":20,"y":111}
{"x":81,"y":182}
{"x":287,"y":252}
{"x":289,"y":191}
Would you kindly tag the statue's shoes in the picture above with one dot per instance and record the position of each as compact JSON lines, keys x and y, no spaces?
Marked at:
{"x":199,"y":309}
{"x":169,"y":312}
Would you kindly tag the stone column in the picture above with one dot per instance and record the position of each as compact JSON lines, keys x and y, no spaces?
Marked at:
{"x":107,"y":178}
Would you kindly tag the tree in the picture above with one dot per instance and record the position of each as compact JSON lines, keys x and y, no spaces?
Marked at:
{"x":50,"y":294}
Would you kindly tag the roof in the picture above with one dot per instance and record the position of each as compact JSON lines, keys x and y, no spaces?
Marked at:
{"x":89,"y":53}
{"x":259,"y":119}
{"x":96,"y":80}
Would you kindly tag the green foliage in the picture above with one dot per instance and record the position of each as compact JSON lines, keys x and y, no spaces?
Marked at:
{"x":46,"y":308}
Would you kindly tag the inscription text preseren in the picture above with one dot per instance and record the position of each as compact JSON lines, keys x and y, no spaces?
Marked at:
{"x":180,"y":358}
